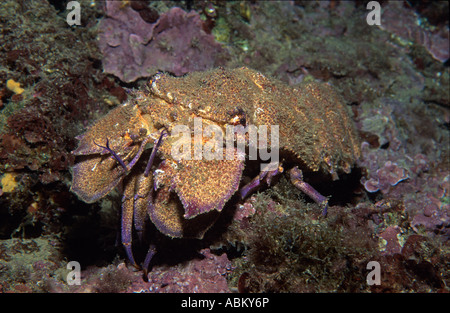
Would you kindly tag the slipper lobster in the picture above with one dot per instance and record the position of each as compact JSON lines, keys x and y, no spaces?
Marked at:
{"x":167,"y":148}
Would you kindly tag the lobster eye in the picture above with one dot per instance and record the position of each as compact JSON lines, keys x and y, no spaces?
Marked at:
{"x":152,"y":84}
{"x":142,"y":132}
{"x":235,"y":120}
{"x":154,"y":79}
{"x":237,"y":117}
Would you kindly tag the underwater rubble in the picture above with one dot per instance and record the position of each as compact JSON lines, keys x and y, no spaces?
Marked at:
{"x":394,"y":208}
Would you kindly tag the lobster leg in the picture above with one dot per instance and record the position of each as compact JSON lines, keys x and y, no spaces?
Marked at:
{"x":137,"y":193}
{"x":256,"y":182}
{"x":297,"y":180}
{"x":127,"y":218}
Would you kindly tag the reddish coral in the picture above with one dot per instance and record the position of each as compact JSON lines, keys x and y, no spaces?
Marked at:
{"x":134,"y":48}
{"x":392,"y":243}
{"x":388,"y":175}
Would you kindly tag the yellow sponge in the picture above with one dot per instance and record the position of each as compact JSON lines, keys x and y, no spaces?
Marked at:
{"x":8,"y":182}
{"x":14,"y":86}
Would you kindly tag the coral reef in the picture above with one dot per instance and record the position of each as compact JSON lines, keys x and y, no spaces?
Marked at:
{"x":291,"y":248}
{"x":389,"y":175}
{"x":411,"y":171}
{"x":394,"y":208}
{"x":407,"y":24}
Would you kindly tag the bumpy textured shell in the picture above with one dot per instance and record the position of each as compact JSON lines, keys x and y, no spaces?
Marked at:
{"x":183,"y":198}
{"x":314,"y":123}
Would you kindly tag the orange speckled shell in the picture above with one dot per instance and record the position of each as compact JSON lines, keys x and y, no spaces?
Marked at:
{"x":314,"y":123}
{"x":314,"y":129}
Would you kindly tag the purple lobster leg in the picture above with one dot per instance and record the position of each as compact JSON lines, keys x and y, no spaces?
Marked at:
{"x":143,"y":196}
{"x":153,"y":154}
{"x":256,"y":182}
{"x":138,"y":193}
{"x":127,"y":217}
{"x":297,"y":180}
{"x":142,"y":190}
{"x":114,"y":155}
{"x":151,"y":252}
{"x":143,"y":187}
{"x":134,"y":202}
{"x":149,"y":199}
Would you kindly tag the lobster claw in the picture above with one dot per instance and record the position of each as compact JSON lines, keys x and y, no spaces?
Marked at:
{"x":98,"y":168}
